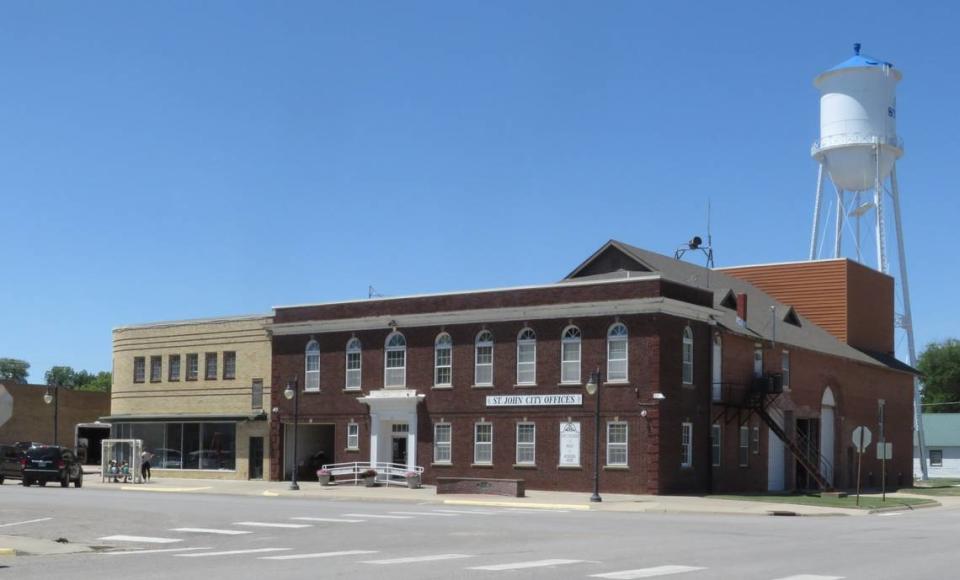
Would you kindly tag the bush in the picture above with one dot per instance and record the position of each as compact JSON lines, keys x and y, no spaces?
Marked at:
{"x":323,"y":472}
{"x":411,"y":474}
{"x":369,"y":473}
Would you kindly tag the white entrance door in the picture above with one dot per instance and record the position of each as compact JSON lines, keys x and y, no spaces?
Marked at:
{"x":776,"y":460}
{"x":827,"y":430}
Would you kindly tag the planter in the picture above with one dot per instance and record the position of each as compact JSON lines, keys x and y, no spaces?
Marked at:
{"x":370,"y":481}
{"x":323,"y":479}
{"x":413,"y":482}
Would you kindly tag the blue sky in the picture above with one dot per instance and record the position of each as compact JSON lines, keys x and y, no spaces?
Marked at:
{"x":188,"y":159}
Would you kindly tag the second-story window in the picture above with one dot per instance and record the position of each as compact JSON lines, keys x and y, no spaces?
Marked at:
{"x":687,"y":356}
{"x":785,"y":368}
{"x":173,"y":368}
{"x":527,"y":357}
{"x":395,"y":361}
{"x":229,"y":365}
{"x":758,"y":362}
{"x":483,"y":366}
{"x":139,"y":369}
{"x":156,"y":369}
{"x":210,"y":362}
{"x":570,"y":355}
{"x":617,"y":353}
{"x":353,"y":363}
{"x":193,"y":366}
{"x":256,"y":394}
{"x":312,"y":366}
{"x":443,"y":361}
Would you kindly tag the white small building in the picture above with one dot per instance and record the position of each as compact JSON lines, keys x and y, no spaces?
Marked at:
{"x":942,"y":431}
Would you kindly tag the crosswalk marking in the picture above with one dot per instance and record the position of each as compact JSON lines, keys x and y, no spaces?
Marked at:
{"x":434,"y":514}
{"x":413,"y":559}
{"x":159,"y":551}
{"x":811,"y":577}
{"x":379,"y":516}
{"x":143,"y":539}
{"x":331,"y":520}
{"x":647,"y":572}
{"x":231,"y":552}
{"x":522,"y":565}
{"x":211,"y":531}
{"x":271,"y":525}
{"x":319,"y":555}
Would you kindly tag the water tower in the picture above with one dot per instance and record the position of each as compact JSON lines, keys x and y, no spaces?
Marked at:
{"x":858,"y":150}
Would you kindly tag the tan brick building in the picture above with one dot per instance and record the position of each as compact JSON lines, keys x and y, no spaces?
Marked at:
{"x":197,"y":392}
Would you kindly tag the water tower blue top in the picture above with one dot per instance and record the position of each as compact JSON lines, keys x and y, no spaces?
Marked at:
{"x":859,"y":61}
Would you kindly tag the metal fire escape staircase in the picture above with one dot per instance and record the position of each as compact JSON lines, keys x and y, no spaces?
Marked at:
{"x":740,"y":401}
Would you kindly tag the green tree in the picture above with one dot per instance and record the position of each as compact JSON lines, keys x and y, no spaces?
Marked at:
{"x":14,"y":370}
{"x":61,"y":377}
{"x":940,"y":365}
{"x":99,"y":382}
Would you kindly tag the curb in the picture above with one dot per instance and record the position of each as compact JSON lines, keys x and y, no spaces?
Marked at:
{"x":513,"y":504}
{"x":905,"y":508}
{"x":8,"y":552}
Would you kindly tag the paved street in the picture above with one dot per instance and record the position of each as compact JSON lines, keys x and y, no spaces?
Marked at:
{"x":162,"y":535}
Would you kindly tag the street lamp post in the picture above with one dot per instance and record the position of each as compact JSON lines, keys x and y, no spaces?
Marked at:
{"x":593,"y":387}
{"x":55,"y":399}
{"x":293,"y":392}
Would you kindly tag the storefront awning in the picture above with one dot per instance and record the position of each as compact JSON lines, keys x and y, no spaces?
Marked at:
{"x":183,"y":417}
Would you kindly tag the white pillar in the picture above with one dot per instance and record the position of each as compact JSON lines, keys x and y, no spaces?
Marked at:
{"x":374,"y":436}
{"x":412,"y":443}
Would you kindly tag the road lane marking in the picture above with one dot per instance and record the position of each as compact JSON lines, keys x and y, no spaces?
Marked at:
{"x":811,"y":577}
{"x":232,"y":552}
{"x":211,"y":531}
{"x":331,"y":520}
{"x":144,"y":539}
{"x":540,"y":511}
{"x":469,"y":512}
{"x":318,"y":555}
{"x":163,"y":489}
{"x":647,"y":572}
{"x":522,"y":565}
{"x":26,"y":522}
{"x":514,"y":504}
{"x":122,"y":552}
{"x":434,"y":514}
{"x":379,"y":516}
{"x":414,"y":559}
{"x":271,"y":525}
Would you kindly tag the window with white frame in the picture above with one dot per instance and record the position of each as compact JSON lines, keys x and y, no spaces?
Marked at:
{"x":785,"y":368}
{"x":312,"y":367}
{"x":687,"y":356}
{"x":527,"y":357}
{"x":936,"y":457}
{"x":483,"y":443}
{"x":686,"y":444}
{"x":616,"y":443}
{"x":526,"y":443}
{"x":758,"y":362}
{"x":744,"y":446}
{"x":442,"y":442}
{"x":755,"y":440}
{"x":716,"y":443}
{"x":617,"y":353}
{"x":483,"y":362}
{"x":570,"y":355}
{"x":443,"y":360}
{"x":354,"y":364}
{"x":353,"y":436}
{"x":395,"y":361}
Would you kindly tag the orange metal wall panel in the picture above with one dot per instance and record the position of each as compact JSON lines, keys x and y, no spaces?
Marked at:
{"x":870,"y":317}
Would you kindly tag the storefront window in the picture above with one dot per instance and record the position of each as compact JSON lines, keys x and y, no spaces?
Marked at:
{"x":184,"y":445}
{"x":218,"y":446}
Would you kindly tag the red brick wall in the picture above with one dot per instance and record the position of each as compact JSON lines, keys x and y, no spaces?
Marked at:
{"x":32,"y":418}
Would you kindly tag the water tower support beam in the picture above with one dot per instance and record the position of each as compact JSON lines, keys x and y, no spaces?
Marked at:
{"x":881,"y":226}
{"x":837,"y":243}
{"x":817,"y":208}
{"x":907,"y":321}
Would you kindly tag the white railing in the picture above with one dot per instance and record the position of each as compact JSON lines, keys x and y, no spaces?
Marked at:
{"x":387,"y":473}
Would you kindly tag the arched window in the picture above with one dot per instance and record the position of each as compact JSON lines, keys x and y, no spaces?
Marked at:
{"x":483,"y":366}
{"x":312,"y":366}
{"x":570,"y":355}
{"x":527,"y":357}
{"x":395,"y":361}
{"x":687,"y":356}
{"x":443,"y":361}
{"x":353,"y":364}
{"x":617,"y":352}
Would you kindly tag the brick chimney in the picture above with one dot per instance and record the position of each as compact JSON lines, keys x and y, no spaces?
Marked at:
{"x":742,"y":309}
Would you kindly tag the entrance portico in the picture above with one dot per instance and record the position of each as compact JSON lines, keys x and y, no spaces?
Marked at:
{"x":393,"y":425}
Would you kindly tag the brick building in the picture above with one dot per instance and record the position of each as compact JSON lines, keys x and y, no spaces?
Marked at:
{"x":709,"y":382}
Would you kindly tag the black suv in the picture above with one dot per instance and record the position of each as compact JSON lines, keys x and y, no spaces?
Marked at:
{"x":50,"y":463}
{"x":10,"y":466}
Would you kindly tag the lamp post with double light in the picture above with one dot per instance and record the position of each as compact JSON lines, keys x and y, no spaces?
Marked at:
{"x":593,"y":388}
{"x":53,"y":396}
{"x":293,"y":392}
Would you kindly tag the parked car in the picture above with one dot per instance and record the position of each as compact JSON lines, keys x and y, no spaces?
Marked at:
{"x":51,"y":463}
{"x":10,"y":466}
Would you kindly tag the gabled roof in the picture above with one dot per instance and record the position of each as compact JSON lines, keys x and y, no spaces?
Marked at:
{"x":765,"y":315}
{"x":941,"y":430}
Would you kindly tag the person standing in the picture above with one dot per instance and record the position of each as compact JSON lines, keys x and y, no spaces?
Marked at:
{"x":145,"y":458}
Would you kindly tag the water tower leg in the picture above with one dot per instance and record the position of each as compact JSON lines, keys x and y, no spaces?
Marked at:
{"x":837,"y":243}
{"x":817,"y":208}
{"x":881,"y":226}
{"x":907,"y":321}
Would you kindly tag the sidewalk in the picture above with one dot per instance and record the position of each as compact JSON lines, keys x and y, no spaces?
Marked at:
{"x":556,"y":500}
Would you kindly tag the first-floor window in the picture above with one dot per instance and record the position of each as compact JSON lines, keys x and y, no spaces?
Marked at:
{"x":715,"y":444}
{"x":686,"y":445}
{"x":483,"y":443}
{"x":744,"y":446}
{"x":936,"y":458}
{"x":442,"y":438}
{"x":616,"y":443}
{"x":526,"y":443}
{"x":755,"y":441}
{"x":353,"y":436}
{"x":190,"y":446}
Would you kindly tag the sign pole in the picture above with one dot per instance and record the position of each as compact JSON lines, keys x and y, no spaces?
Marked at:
{"x":883,"y":460}
{"x":859,"y":465}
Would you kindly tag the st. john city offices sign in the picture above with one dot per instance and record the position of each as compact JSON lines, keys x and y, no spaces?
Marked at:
{"x":534,"y":400}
